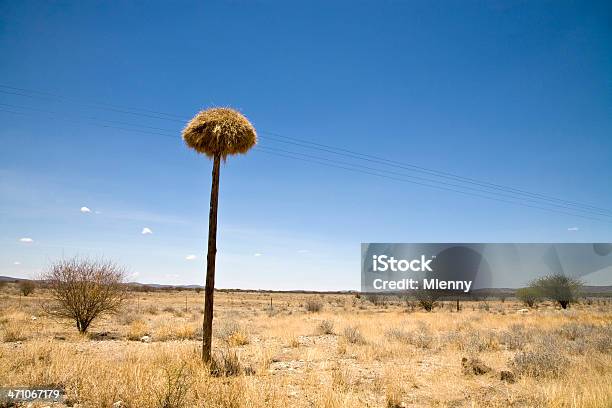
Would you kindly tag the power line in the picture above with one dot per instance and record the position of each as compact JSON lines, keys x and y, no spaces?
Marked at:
{"x":329,"y":149}
{"x":426,"y":185}
{"x":344,"y":153}
{"x":343,"y":165}
{"x":354,"y":167}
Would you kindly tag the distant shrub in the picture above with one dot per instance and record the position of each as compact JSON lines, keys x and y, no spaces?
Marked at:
{"x":26,"y":287}
{"x":377,"y":300}
{"x":559,"y":288}
{"x":427,"y":299}
{"x":314,"y":305}
{"x":326,"y":327}
{"x":528,"y":296}
{"x":353,"y":335}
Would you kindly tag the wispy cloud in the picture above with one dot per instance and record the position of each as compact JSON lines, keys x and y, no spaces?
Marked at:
{"x":191,"y":257}
{"x":16,"y":263}
{"x":26,"y":240}
{"x":573,"y":229}
{"x":257,"y":254}
{"x":85,"y":210}
{"x":146,"y":231}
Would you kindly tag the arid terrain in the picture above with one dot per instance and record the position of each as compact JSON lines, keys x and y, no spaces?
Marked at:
{"x":349,"y":353}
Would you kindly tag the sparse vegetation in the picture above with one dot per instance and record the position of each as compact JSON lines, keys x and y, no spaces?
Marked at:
{"x":380,"y":354}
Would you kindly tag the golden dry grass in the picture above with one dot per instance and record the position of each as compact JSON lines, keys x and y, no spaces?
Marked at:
{"x":351,"y":353}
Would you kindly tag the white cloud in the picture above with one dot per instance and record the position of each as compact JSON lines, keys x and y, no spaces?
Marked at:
{"x":133,"y":275}
{"x":573,"y":229}
{"x":85,"y":210}
{"x":26,"y":240}
{"x":146,"y":231}
{"x":257,"y":254}
{"x":191,"y":257}
{"x":16,"y":263}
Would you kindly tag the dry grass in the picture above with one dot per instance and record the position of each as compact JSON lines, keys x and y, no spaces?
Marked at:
{"x":352,"y":352}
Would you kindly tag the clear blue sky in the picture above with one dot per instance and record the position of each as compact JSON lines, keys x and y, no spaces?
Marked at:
{"x":516,"y":93}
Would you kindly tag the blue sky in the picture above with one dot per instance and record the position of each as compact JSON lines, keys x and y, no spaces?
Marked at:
{"x":514,"y":93}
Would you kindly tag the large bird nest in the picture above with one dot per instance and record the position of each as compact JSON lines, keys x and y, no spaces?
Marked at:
{"x":220,"y":131}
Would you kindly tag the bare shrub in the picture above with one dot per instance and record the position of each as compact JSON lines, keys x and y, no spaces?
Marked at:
{"x":377,"y":300}
{"x":516,"y":338}
{"x":225,"y":364}
{"x":544,"y":360}
{"x":353,"y":335}
{"x":428,"y":299}
{"x":421,"y":337}
{"x":26,"y":287}
{"x":84,"y":289}
{"x":176,"y":384}
{"x":403,"y":336}
{"x":313,"y":305}
{"x":326,"y":327}
{"x":575,"y":331}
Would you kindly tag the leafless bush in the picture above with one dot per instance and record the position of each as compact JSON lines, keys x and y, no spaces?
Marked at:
{"x":176,"y":385}
{"x":84,"y":289}
{"x":26,"y":287}
{"x":516,"y":338}
{"x":225,"y":364}
{"x":326,"y":327}
{"x":313,"y":305}
{"x":575,"y":331}
{"x":544,"y":360}
{"x":421,"y":337}
{"x":353,"y":335}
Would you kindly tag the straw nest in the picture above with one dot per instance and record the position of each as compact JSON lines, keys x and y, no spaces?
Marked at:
{"x":220,"y":131}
